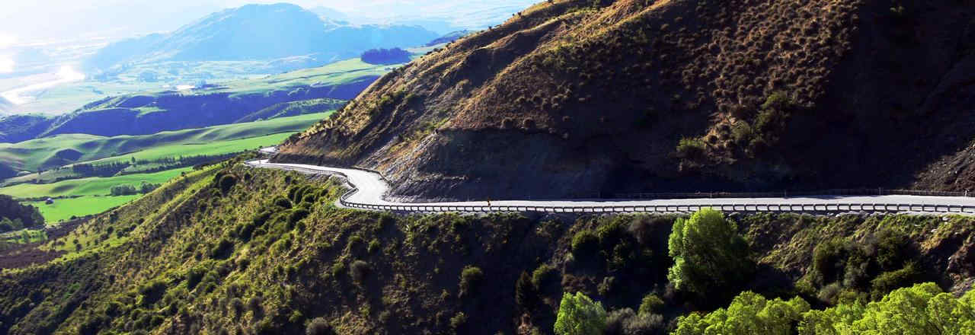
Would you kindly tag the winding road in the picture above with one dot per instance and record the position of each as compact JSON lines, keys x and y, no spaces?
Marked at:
{"x":369,"y":190}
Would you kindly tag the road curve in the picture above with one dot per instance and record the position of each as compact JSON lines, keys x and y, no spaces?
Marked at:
{"x":370,"y":189}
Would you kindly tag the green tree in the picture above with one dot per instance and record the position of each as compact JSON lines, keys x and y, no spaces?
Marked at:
{"x":920,"y":309}
{"x":708,"y":253}
{"x":749,"y":313}
{"x":579,"y":315}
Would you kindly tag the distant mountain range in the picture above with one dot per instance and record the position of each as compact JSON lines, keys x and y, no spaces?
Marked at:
{"x":260,"y":32}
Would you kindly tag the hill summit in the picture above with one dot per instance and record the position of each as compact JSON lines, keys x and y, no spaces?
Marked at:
{"x":259,"y":32}
{"x":579,"y":98}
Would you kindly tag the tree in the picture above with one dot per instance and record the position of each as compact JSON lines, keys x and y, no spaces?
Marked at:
{"x":920,"y":309}
{"x":579,"y":315}
{"x":708,"y":253}
{"x":749,"y":313}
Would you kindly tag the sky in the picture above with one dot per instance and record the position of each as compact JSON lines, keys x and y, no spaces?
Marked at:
{"x":45,"y":21}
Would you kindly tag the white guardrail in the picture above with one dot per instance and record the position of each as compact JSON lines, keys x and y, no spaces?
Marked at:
{"x":805,"y":207}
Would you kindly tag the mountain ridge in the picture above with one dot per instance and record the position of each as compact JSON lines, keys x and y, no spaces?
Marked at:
{"x":257,"y":32}
{"x":568,"y":99}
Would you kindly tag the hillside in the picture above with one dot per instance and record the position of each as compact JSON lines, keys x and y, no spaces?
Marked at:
{"x":258,"y":32}
{"x":576,"y":98}
{"x":255,"y":251}
{"x":244,"y":100}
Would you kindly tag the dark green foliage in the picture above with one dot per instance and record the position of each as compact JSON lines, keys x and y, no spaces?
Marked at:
{"x":526,"y":295}
{"x":12,"y":212}
{"x":226,"y":183}
{"x":151,"y":292}
{"x":585,"y":244}
{"x":470,"y":279}
{"x":282,"y":202}
{"x":891,"y":280}
{"x":882,"y":262}
{"x":650,"y":303}
{"x":194,"y":276}
{"x":222,"y":249}
{"x":297,"y":215}
{"x":360,"y":270}
{"x":543,"y":275}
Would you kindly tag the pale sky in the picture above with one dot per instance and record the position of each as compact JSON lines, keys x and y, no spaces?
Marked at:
{"x":45,"y":20}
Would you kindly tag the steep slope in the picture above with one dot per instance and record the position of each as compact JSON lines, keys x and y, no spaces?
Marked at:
{"x":258,"y":32}
{"x":575,"y":98}
{"x":265,"y":252}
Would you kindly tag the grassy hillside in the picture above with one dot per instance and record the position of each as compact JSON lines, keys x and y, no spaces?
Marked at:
{"x":51,"y":152}
{"x":634,"y":95}
{"x":315,"y":90}
{"x":236,"y":250}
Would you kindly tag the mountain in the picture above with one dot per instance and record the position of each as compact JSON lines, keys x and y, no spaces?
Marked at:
{"x":258,"y":32}
{"x":584,"y":99}
{"x":329,"y":14}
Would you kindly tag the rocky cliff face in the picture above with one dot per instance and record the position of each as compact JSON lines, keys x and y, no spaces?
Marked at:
{"x":582,"y":98}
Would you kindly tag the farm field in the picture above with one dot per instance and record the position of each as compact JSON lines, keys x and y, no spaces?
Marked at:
{"x":50,"y":152}
{"x":64,"y":209}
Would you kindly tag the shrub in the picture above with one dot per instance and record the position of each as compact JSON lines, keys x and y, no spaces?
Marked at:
{"x":709,"y":255}
{"x":690,"y":148}
{"x":297,"y":215}
{"x":542,"y":276}
{"x":374,"y":246}
{"x":359,"y":270}
{"x":526,"y":295}
{"x":579,"y":315}
{"x":651,"y":303}
{"x":222,"y":249}
{"x":829,"y":259}
{"x":282,"y":202}
{"x":319,"y":326}
{"x":585,"y":243}
{"x":226,"y":183}
{"x":470,"y":278}
{"x":888,"y":281}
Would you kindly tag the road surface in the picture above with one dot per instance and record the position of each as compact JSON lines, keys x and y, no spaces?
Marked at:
{"x":370,"y":189}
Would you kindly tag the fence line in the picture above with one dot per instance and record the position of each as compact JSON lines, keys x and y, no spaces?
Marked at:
{"x":822,"y":207}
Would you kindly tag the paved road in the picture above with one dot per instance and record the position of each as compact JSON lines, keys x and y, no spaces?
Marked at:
{"x":371,"y":188}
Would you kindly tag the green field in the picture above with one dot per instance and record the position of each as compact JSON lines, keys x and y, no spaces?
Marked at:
{"x":64,"y":209}
{"x":88,"y":186}
{"x":43,"y":153}
{"x":93,"y":193}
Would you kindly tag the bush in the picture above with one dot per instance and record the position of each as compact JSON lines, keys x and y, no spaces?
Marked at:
{"x":585,"y":243}
{"x":282,"y":202}
{"x":651,"y":303}
{"x":526,"y":295}
{"x":470,"y":278}
{"x":542,"y":276}
{"x":222,"y":249}
{"x":359,"y":270}
{"x":319,"y":326}
{"x":226,"y":183}
{"x":690,"y":148}
{"x":579,"y":315}
{"x":888,"y":281}
{"x":297,"y":215}
{"x":709,"y":255}
{"x":626,"y":322}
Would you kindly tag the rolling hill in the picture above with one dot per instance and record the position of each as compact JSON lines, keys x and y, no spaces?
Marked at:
{"x":582,"y":98}
{"x":286,"y":94}
{"x":258,"y":32}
